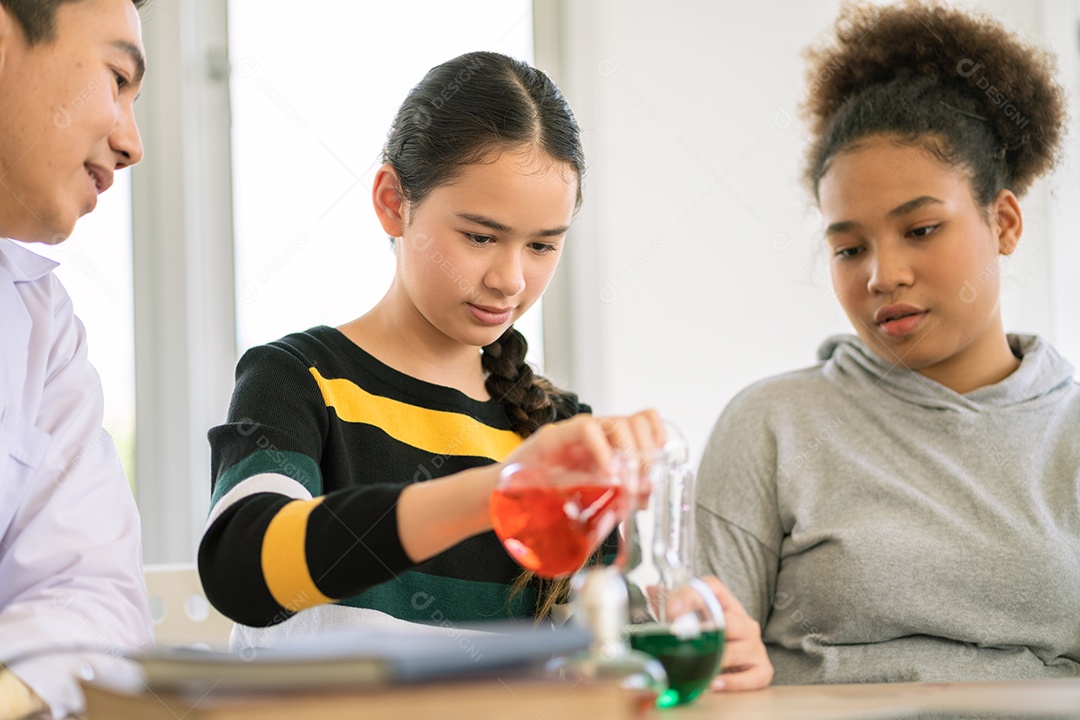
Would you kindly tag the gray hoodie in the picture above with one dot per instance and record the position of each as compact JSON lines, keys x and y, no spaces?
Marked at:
{"x":882,"y":527}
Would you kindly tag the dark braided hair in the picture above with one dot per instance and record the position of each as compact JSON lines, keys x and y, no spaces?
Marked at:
{"x":459,"y":113}
{"x":530,"y":400}
{"x":956,"y":84}
{"x":38,"y":17}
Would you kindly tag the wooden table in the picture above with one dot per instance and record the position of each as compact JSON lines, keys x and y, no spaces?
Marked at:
{"x":478,"y":700}
{"x":1040,"y":698}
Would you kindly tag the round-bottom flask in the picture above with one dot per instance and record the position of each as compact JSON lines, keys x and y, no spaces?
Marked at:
{"x":599,"y":598}
{"x":674,"y":616}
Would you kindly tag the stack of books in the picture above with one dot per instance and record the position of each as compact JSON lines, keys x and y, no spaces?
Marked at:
{"x":377,"y":673}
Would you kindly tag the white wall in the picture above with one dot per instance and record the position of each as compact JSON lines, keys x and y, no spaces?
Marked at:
{"x":696,"y":264}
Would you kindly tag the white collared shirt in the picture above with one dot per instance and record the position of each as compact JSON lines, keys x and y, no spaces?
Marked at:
{"x":70,"y":557}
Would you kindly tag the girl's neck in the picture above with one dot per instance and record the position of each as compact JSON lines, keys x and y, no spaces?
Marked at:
{"x":405,"y":341}
{"x":985,"y":362}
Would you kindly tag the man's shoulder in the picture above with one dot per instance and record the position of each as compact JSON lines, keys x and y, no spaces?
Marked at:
{"x":26,"y":278}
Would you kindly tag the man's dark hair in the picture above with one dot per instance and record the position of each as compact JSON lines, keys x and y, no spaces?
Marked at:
{"x":38,"y":17}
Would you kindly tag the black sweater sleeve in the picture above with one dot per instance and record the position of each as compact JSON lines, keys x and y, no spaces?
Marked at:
{"x":278,"y":543}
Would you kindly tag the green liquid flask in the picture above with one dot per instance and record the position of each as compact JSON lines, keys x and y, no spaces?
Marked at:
{"x":673,"y":615}
{"x":599,"y":600}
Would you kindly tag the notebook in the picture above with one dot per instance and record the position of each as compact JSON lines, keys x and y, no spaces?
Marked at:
{"x":363,"y":657}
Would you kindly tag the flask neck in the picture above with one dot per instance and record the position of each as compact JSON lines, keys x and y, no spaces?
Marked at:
{"x":656,"y":554}
{"x":677,"y":521}
{"x":601,"y":597}
{"x":661,"y":531}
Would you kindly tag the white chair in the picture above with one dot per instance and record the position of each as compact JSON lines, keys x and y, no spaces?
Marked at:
{"x":181,"y":613}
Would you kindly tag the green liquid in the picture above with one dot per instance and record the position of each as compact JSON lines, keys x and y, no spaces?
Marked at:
{"x":690,"y":663}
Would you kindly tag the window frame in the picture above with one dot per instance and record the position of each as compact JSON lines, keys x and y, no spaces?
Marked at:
{"x":182,"y":257}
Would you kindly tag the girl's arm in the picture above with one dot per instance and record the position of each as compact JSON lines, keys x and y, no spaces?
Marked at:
{"x":739,"y":531}
{"x":739,"y":535}
{"x":435,"y":515}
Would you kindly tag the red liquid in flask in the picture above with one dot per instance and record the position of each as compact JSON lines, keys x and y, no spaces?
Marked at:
{"x":552,"y":530}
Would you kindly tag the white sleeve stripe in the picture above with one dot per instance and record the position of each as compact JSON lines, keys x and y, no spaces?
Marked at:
{"x":264,"y":482}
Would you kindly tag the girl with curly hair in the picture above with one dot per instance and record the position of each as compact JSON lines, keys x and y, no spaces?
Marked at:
{"x":907,"y":510}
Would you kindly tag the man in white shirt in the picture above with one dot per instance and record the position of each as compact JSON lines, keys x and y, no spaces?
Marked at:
{"x":70,"y":564}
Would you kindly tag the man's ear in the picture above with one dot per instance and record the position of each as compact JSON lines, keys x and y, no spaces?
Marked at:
{"x":389,"y":202}
{"x":1007,"y":221}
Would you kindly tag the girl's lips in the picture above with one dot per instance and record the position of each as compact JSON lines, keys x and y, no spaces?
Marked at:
{"x":491,"y":316}
{"x":903,"y":325}
{"x":892,"y":312}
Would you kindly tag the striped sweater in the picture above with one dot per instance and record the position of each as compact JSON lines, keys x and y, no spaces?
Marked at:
{"x":320,"y":441}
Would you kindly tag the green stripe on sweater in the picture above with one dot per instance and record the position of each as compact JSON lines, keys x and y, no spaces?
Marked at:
{"x":433,"y":599}
{"x":297,"y":466}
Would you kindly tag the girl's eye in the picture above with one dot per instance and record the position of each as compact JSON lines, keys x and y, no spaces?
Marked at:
{"x":924,"y":231}
{"x":121,"y":81}
{"x":543,"y":248}
{"x":847,"y":252}
{"x":479,"y":239}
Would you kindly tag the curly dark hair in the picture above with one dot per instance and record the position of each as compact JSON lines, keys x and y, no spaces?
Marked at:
{"x":955,"y":83}
{"x":38,"y":17}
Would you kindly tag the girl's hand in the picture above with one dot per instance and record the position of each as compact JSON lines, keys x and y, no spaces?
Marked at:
{"x":435,"y":515}
{"x":641,"y":431}
{"x":588,"y":442}
{"x":745,"y":665}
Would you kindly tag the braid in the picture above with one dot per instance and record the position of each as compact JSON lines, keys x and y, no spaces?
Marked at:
{"x":529,"y":400}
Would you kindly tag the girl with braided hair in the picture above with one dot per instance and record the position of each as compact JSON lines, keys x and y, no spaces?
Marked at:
{"x":353,"y":477}
{"x":907,"y":510}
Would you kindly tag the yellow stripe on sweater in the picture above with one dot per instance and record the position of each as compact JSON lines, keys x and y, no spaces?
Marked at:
{"x":436,"y":431}
{"x":284,"y":559}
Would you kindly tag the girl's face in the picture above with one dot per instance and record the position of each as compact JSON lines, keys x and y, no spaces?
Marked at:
{"x":915,"y":260}
{"x":477,"y":252}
